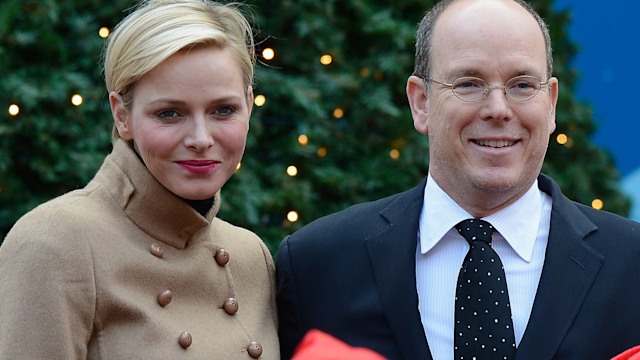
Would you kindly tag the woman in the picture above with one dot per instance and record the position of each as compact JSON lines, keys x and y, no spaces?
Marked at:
{"x":136,"y":265}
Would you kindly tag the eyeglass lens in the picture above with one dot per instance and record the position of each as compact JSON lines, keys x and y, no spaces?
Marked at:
{"x":520,"y":88}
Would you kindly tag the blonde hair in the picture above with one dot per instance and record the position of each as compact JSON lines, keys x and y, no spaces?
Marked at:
{"x":157,"y":29}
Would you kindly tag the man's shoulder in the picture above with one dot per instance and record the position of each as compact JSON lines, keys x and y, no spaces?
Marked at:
{"x":572,"y":210}
{"x":610,"y":223}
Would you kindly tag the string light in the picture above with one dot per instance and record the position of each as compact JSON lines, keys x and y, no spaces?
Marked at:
{"x":268,"y":53}
{"x":562,"y":139}
{"x":76,"y":100}
{"x":364,"y":72}
{"x":322,"y":152}
{"x":303,"y":139}
{"x":338,"y":113}
{"x":238,"y":166}
{"x":292,"y":216}
{"x":394,"y":154}
{"x":14,"y":110}
{"x":104,"y":32}
{"x":292,"y":170}
{"x":260,"y":100}
{"x":326,"y":59}
{"x":597,"y":204}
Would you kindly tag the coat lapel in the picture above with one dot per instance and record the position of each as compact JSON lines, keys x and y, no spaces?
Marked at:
{"x":392,"y":251}
{"x":570,"y":268}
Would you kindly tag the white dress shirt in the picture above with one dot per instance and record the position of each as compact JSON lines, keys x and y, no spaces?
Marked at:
{"x":520,"y":240}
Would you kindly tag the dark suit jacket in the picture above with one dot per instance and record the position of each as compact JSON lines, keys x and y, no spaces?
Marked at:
{"x":352,"y":275}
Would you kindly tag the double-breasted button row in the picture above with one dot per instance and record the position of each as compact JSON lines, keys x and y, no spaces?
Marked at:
{"x":254,"y":349}
{"x":230,"y":306}
{"x":221,"y":256}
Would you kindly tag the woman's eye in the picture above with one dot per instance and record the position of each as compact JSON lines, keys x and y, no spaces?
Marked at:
{"x":167,"y":114}
{"x":225,"y":110}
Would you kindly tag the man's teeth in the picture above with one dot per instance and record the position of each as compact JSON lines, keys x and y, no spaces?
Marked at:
{"x":495,"y":143}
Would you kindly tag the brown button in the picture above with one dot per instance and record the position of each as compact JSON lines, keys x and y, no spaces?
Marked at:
{"x":231,"y":306}
{"x":185,"y":339}
{"x":222,"y":257}
{"x":157,"y":250}
{"x":254,"y":349}
{"x":165,"y":298}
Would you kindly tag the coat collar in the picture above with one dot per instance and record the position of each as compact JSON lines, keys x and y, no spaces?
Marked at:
{"x":152,"y":207}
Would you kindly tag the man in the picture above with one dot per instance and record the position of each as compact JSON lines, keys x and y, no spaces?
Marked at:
{"x":384,"y":275}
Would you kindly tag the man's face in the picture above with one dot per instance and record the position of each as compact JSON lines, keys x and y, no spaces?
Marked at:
{"x":486,"y":154}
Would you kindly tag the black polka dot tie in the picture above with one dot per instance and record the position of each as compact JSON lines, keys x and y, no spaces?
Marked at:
{"x":483,"y":324}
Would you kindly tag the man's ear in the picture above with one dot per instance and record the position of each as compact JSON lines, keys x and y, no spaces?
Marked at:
{"x":553,"y":102}
{"x":120,"y":116}
{"x":417,"y":95}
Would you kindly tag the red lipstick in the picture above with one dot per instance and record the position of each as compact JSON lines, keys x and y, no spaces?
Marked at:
{"x":198,"y":166}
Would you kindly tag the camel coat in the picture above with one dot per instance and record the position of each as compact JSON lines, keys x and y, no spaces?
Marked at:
{"x":124,"y":269}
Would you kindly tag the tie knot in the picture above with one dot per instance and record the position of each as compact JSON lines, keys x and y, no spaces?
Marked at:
{"x":475,"y":229}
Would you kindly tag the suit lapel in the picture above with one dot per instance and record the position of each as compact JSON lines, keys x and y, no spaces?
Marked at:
{"x":392,"y":252}
{"x":570,"y":268}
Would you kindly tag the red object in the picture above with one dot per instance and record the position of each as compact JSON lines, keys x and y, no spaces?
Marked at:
{"x":318,"y":345}
{"x":631,"y":354}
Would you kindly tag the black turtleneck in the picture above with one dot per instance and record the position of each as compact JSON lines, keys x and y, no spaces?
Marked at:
{"x":201,"y":206}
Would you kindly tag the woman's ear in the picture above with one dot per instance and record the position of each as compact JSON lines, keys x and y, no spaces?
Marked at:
{"x":250,"y":99}
{"x":417,"y":96}
{"x":120,"y":116}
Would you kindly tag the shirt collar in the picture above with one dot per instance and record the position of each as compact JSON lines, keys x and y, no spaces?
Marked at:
{"x":517,"y":223}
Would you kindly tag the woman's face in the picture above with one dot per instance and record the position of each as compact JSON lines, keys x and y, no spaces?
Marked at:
{"x":188,"y":120}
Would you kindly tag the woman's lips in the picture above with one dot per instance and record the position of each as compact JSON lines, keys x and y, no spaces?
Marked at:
{"x":198,"y":166}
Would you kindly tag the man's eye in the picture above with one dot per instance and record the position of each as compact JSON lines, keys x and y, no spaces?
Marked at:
{"x":468,"y":84}
{"x":523,"y":85}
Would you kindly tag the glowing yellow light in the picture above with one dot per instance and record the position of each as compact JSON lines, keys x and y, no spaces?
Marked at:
{"x":303,"y":139}
{"x":597,"y":204}
{"x":260,"y":100}
{"x":364,"y":72}
{"x":562,"y":139}
{"x":338,"y":113}
{"x":292,"y":216}
{"x":104,"y":32}
{"x":268,"y":53}
{"x":322,"y":152}
{"x":326,"y":59}
{"x":14,"y":109}
{"x":76,"y":100}
{"x":394,"y":154}
{"x":292,"y":170}
{"x":238,"y":166}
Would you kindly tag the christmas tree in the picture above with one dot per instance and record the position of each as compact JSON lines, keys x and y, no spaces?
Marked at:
{"x":331,"y":125}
